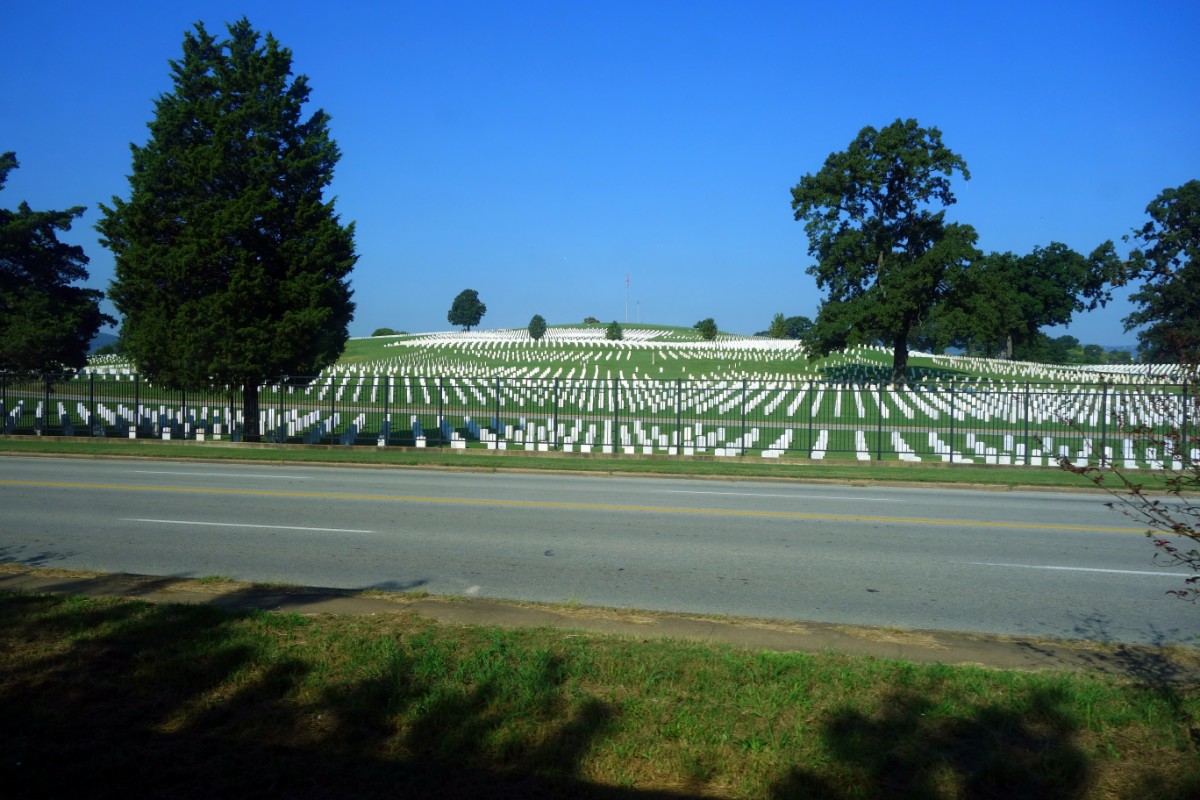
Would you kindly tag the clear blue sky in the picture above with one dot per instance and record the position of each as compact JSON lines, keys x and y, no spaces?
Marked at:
{"x":538,"y":152}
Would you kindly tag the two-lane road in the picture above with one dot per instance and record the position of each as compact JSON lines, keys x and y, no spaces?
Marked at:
{"x":1020,"y":563}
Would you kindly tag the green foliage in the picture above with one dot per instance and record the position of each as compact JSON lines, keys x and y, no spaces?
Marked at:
{"x":467,"y":309}
{"x":230,"y":265}
{"x":883,"y":255}
{"x":614,"y":332}
{"x":778,"y":327}
{"x":707,"y":328}
{"x":590,"y":321}
{"x":160,"y":694}
{"x":46,"y":323}
{"x":385,"y":332}
{"x":1001,"y":302}
{"x":1042,"y":349}
{"x":537,"y":327}
{"x":1119,"y":357}
{"x":789,"y":328}
{"x":1168,"y":259}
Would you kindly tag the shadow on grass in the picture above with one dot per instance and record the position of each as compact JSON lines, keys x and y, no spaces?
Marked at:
{"x":912,"y":751}
{"x":109,"y":698}
{"x":121,"y":699}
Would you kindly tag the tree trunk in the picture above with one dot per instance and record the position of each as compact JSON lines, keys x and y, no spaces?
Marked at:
{"x":900,"y":359}
{"x":250,"y":429}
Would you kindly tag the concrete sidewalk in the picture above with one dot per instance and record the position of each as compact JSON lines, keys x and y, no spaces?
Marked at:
{"x":1174,"y":664}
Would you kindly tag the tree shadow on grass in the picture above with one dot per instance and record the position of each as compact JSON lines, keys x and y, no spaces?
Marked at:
{"x":130,"y":699}
{"x":910,"y":750}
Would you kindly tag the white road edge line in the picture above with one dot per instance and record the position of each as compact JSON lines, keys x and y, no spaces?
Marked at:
{"x":1074,"y":569}
{"x":244,"y":525}
{"x":218,"y":474}
{"x":789,"y":496}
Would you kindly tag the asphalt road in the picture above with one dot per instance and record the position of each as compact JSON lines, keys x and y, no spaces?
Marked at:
{"x":1058,"y":565}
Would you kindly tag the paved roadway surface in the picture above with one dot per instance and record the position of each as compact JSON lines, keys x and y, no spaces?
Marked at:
{"x":1056,"y":565}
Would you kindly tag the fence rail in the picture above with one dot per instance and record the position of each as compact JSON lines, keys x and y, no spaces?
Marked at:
{"x":1029,"y":423}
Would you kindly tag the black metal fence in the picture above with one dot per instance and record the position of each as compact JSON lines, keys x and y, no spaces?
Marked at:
{"x":973,"y":422}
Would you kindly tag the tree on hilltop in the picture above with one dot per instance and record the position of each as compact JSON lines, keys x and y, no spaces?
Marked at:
{"x":467,"y":309}
{"x":231,"y":266}
{"x":46,"y":323}
{"x":782,"y":327}
{"x":883,"y":252}
{"x":707,"y":328}
{"x":614,"y":332}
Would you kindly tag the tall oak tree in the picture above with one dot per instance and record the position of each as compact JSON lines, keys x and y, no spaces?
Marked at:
{"x":875,"y":219}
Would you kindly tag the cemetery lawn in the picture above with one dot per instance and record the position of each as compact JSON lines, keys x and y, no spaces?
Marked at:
{"x":748,"y":468}
{"x":178,"y":700}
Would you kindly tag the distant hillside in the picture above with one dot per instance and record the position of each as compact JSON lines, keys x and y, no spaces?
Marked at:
{"x":100,"y":340}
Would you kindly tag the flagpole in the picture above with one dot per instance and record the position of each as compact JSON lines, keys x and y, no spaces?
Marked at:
{"x":626,"y":298}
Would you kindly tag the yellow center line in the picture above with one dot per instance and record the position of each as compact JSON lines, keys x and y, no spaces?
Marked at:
{"x":547,"y":504}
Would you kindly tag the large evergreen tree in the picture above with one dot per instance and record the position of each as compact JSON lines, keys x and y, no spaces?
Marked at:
{"x":231,"y":267}
{"x":537,"y":327}
{"x":884,"y":251}
{"x":46,"y":323}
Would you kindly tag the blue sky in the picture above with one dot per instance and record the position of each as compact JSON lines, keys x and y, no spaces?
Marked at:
{"x":538,"y":152}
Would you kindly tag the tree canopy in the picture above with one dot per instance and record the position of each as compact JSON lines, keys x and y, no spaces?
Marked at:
{"x":467,"y":309}
{"x":46,"y":323}
{"x":614,"y":332}
{"x":782,"y":327}
{"x":1167,"y":258}
{"x":884,"y":252}
{"x":1003,"y":300}
{"x":537,"y":327}
{"x":231,"y":267}
{"x":707,"y":328}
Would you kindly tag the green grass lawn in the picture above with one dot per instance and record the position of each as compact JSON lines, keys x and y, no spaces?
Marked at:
{"x":120,"y":698}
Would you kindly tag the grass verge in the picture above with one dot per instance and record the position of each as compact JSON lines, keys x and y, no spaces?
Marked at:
{"x":126,"y":697}
{"x":1004,"y":477}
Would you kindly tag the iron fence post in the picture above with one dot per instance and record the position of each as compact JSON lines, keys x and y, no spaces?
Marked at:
{"x":810,"y":424}
{"x":1025,"y":461}
{"x":553,"y":433}
{"x":1103,"y":422}
{"x":679,"y":416}
{"x":743,"y":437}
{"x":879,"y":431}
{"x":1183,"y":430}
{"x":387,"y":407}
{"x":952,"y":422}
{"x":616,"y":414}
